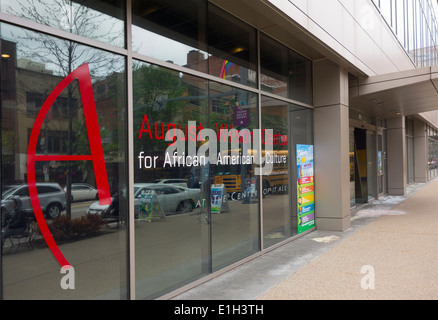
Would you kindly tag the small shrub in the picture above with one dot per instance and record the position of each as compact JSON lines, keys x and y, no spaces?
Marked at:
{"x":63,"y":228}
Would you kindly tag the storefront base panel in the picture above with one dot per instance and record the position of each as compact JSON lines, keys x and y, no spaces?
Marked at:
{"x":397,"y":191}
{"x":182,"y":290}
{"x":333,"y":224}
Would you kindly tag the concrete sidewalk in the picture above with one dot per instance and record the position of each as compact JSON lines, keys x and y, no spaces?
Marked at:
{"x":391,"y":245}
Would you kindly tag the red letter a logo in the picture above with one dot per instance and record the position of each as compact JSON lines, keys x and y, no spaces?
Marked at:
{"x":83,"y":75}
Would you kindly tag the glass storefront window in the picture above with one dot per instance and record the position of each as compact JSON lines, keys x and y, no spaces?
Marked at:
{"x":170,"y":193}
{"x":292,"y":126}
{"x":101,"y":20}
{"x":284,"y":72}
{"x":200,"y":211}
{"x":232,"y":48}
{"x":235,"y":196}
{"x":194,"y":35}
{"x":433,"y":152}
{"x":201,"y":184}
{"x":91,"y":236}
{"x":409,"y":124}
{"x":172,"y":31}
{"x":414,"y":24}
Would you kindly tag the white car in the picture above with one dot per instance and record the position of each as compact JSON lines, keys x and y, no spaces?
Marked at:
{"x":82,"y":191}
{"x":173,"y":199}
{"x":50,"y":195}
{"x":175,"y":182}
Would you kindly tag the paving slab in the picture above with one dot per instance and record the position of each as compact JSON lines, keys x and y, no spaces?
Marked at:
{"x":389,"y":252}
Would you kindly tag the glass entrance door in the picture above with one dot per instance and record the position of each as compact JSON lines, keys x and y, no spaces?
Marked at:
{"x":352,"y":154}
{"x":360,"y":164}
{"x":371,"y":164}
{"x":363,"y":155}
{"x":381,"y":164}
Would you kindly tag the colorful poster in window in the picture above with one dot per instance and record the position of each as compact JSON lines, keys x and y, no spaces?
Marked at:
{"x":305,"y":188}
{"x":241,"y":116}
{"x":217,"y":192}
{"x":146,"y":202}
{"x":379,"y":162}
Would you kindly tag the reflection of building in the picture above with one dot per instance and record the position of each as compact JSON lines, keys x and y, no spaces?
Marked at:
{"x":29,"y":81}
{"x":198,"y":61}
{"x":32,"y":81}
{"x":9,"y":117}
{"x":21,"y":105}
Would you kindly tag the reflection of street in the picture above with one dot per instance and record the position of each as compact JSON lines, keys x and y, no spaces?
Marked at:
{"x":184,"y":238}
{"x":234,"y":235}
{"x":78,"y":208}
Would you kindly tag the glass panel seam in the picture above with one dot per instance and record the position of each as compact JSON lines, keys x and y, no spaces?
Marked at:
{"x":130,"y":113}
{"x":33,"y":26}
{"x":259,"y":107}
{"x":282,"y":43}
{"x":287,"y":100}
{"x":208,"y":77}
{"x":168,"y":65}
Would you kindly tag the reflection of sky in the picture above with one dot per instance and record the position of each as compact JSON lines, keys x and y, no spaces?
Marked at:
{"x":155,"y":46}
{"x":96,"y":26}
{"x":66,"y":15}
{"x":29,"y":46}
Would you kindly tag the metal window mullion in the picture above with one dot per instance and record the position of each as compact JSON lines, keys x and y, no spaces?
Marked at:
{"x":130,"y":122}
{"x":259,"y":106}
{"x":208,"y":77}
{"x":192,"y":72}
{"x":405,"y":26}
{"x":58,"y":33}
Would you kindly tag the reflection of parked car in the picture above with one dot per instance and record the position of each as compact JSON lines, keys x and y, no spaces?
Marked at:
{"x":50,"y":195}
{"x":175,"y":182}
{"x":173,"y":199}
{"x":82,"y":191}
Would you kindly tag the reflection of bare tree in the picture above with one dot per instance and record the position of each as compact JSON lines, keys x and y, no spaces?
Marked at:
{"x":64,"y":56}
{"x":73,"y":16}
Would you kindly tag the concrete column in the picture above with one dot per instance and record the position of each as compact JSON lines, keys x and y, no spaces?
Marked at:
{"x":420,"y":151}
{"x":331,"y":139}
{"x":396,"y":148}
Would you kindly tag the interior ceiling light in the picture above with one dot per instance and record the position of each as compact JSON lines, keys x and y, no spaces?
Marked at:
{"x":6,"y":55}
{"x":150,"y":10}
{"x":237,"y":50}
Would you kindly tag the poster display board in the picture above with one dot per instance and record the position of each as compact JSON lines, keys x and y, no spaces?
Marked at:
{"x":146,"y":202}
{"x":305,"y":188}
{"x":217,"y":192}
{"x":150,"y":207}
{"x":218,"y":199}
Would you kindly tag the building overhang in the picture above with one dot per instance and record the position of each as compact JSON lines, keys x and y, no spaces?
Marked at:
{"x":402,"y":93}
